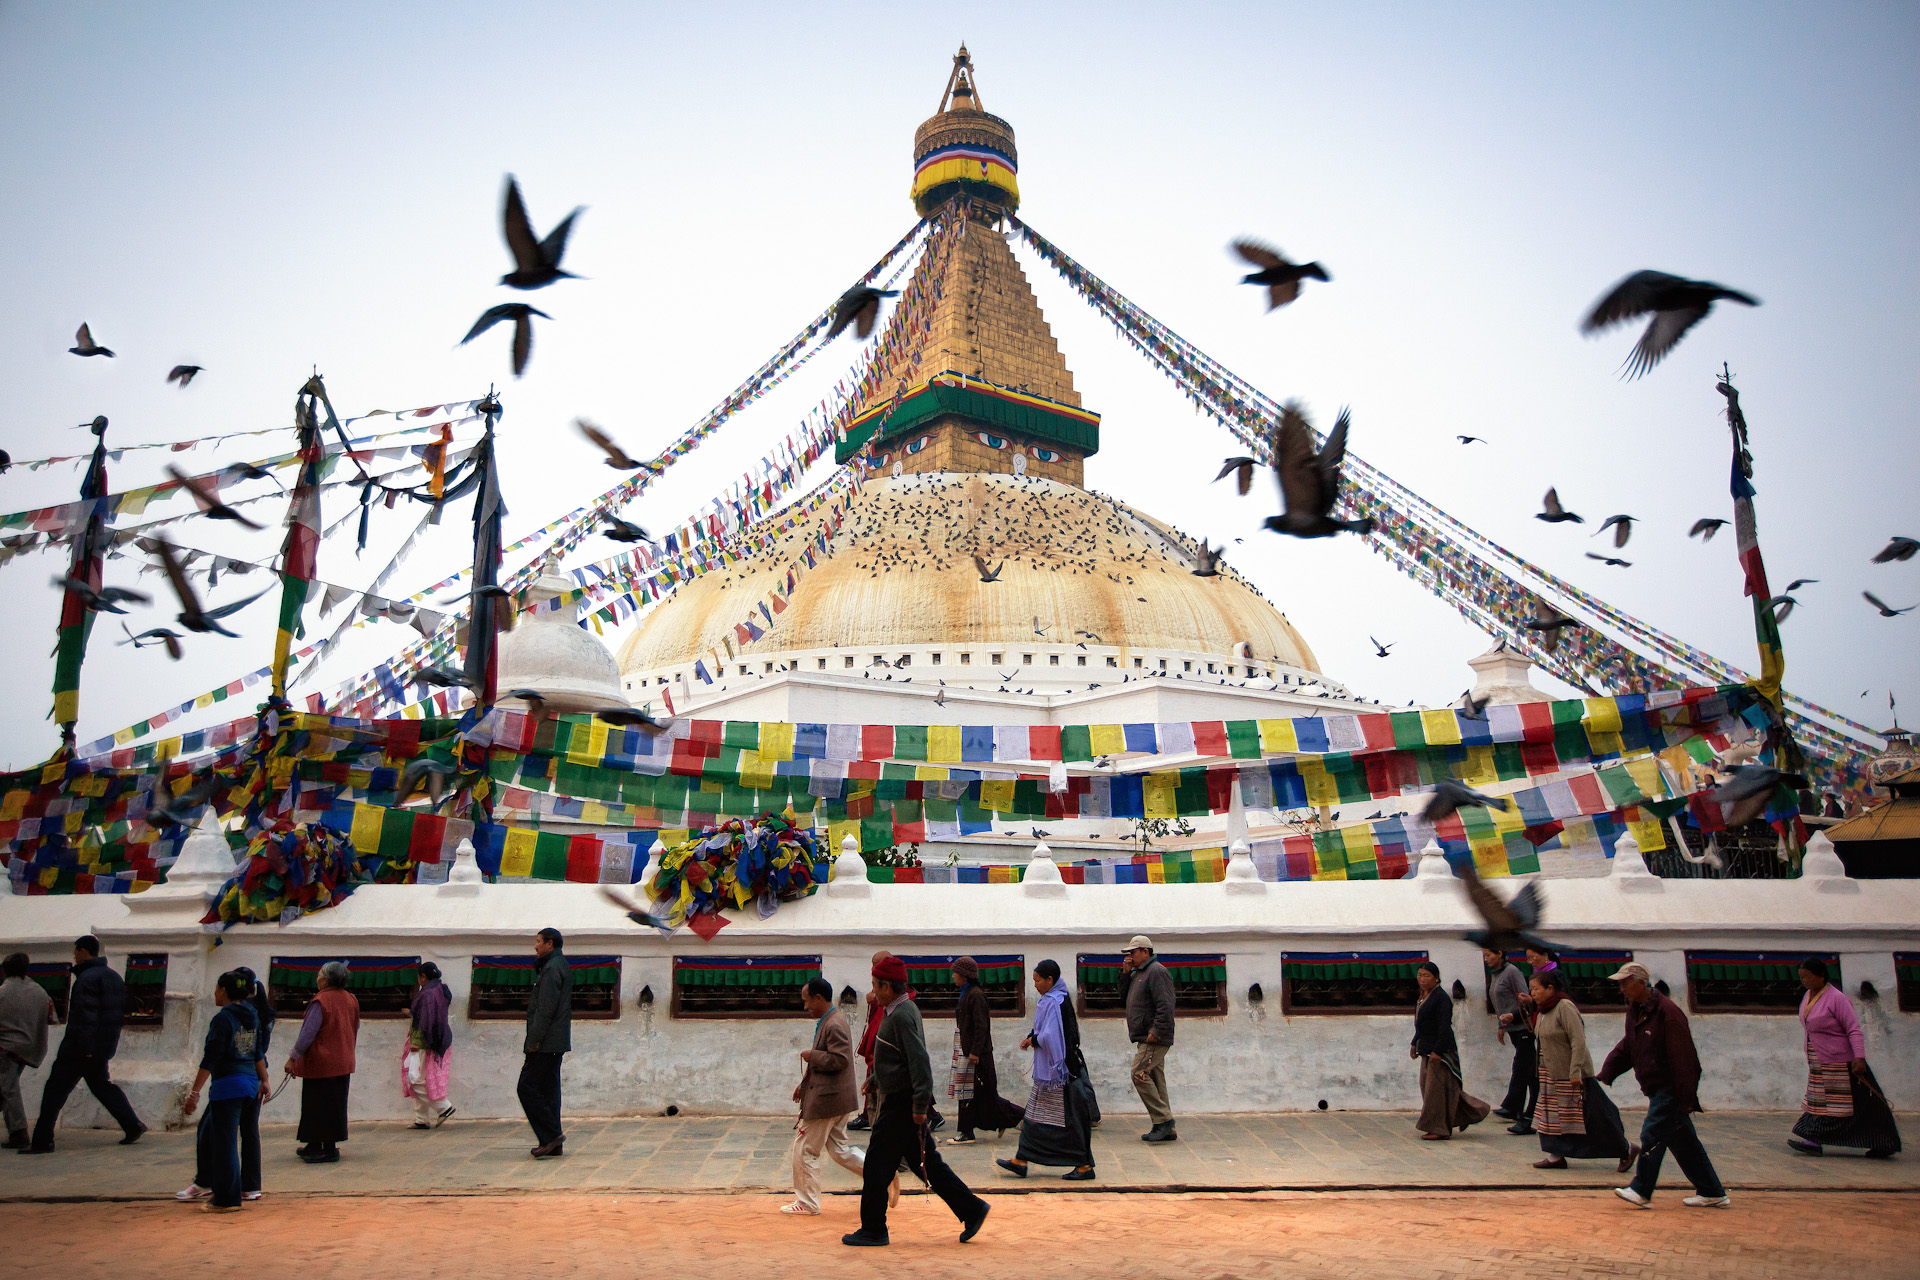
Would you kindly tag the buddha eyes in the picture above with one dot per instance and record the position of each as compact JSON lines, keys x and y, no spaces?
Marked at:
{"x":1045,"y":455}
{"x":919,"y":444}
{"x":990,"y":440}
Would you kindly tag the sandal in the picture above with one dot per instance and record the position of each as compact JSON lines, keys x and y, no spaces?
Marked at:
{"x":1551,"y":1162}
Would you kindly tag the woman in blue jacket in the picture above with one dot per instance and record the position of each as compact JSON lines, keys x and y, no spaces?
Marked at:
{"x":233,"y":1072}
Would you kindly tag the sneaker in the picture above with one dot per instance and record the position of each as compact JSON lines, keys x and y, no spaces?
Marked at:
{"x":192,"y":1191}
{"x":253,"y":1195}
{"x":800,"y":1210}
{"x":1633,"y":1197}
{"x":1708,"y":1202}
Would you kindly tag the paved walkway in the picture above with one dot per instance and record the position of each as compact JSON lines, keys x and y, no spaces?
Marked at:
{"x":721,"y":1154}
{"x":1322,"y":1236}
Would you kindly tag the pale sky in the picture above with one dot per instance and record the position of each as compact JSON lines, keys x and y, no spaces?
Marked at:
{"x":267,"y":189}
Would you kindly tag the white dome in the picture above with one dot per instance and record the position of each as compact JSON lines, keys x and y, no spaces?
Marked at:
{"x":564,"y":663}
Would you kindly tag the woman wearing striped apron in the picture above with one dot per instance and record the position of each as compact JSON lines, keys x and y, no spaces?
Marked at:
{"x":1845,"y":1106}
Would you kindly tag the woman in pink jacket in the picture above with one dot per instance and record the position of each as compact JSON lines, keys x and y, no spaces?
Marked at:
{"x":1844,"y":1106}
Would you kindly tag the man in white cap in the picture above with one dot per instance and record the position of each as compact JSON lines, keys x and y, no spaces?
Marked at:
{"x":1659,"y":1047}
{"x":1147,"y":990}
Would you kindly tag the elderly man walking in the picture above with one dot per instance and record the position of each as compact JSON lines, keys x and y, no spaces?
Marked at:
{"x":549,"y":1039}
{"x":1147,"y":989}
{"x":96,"y":1006}
{"x":1659,"y":1047}
{"x":827,"y":1099}
{"x":25,"y":1011}
{"x":905,"y":1080}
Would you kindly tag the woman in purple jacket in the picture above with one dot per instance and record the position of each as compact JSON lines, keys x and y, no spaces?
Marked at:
{"x":1844,"y":1106}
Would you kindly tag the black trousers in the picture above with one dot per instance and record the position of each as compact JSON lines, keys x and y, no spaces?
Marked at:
{"x":539,"y":1091}
{"x":217,"y":1150}
{"x":68,"y":1070}
{"x":249,"y":1126}
{"x":895,"y":1138}
{"x":1523,"y":1089}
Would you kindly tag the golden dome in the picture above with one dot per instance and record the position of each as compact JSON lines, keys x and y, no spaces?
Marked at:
{"x":901,"y":572}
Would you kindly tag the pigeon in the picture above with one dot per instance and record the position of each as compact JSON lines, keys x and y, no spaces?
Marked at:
{"x":981,"y":565}
{"x":1471,"y":707}
{"x":522,"y":316}
{"x":1782,"y":605}
{"x":1380,"y":650}
{"x":1704,"y":528}
{"x":1797,"y":583}
{"x":84,"y":345}
{"x":1622,"y":527}
{"x":1037,"y":628}
{"x":1886,"y":610}
{"x":1310,"y":482}
{"x":1677,"y":305}
{"x":1205,"y":562}
{"x":536,"y":703}
{"x":1553,"y":513}
{"x":6,"y":462}
{"x":1749,"y":789}
{"x":628,"y":718}
{"x":1549,"y":621}
{"x":1611,"y":561}
{"x":192,"y":616}
{"x":248,"y":471}
{"x":158,"y":635}
{"x":169,"y":810}
{"x":536,"y":263}
{"x":504,"y":614}
{"x":1509,"y":924}
{"x":634,"y":913}
{"x":184,"y":373}
{"x":1471,"y":439}
{"x":207,"y":498}
{"x":859,"y":307}
{"x":1281,"y":277}
{"x":1449,"y":797}
{"x":1038,"y":834}
{"x":624,"y":531}
{"x":616,"y":456}
{"x":423,"y":774}
{"x":441,"y":678}
{"x":1898,"y":549}
{"x":1243,"y":480}
{"x":104,"y":600}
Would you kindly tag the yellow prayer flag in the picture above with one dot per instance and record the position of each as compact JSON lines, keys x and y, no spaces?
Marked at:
{"x":943,"y":743}
{"x":776,"y":740}
{"x":1478,"y":768}
{"x":588,"y":742}
{"x":756,"y":771}
{"x":595,"y":813}
{"x":1322,"y":787}
{"x":1442,"y":727}
{"x":997,"y":795}
{"x":365,"y":835}
{"x":1645,"y":772}
{"x":1156,"y":872}
{"x":837,"y":832}
{"x":1603,"y":743}
{"x":517,"y":857}
{"x":1158,"y":792}
{"x":1107,"y":739}
{"x":1278,"y":736}
{"x":1651,"y":833}
{"x":931,"y":773}
{"x":1603,"y":715}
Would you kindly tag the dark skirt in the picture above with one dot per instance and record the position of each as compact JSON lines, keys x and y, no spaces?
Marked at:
{"x":1070,"y":1144}
{"x":1605,"y":1137}
{"x":1871,"y":1125}
{"x":986,"y":1109}
{"x":323,"y":1109}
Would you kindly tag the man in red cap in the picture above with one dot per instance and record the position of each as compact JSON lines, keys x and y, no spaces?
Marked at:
{"x":904,"y":1079}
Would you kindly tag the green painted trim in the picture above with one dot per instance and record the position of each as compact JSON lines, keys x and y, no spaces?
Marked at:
{"x":976,"y":406}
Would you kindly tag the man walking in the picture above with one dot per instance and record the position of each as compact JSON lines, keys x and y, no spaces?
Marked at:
{"x":1659,"y":1048}
{"x":96,"y":1006}
{"x":25,"y":1011}
{"x":827,"y":1099}
{"x":905,"y":1081}
{"x":1147,"y":989}
{"x":549,"y":1037}
{"x":1507,"y":990}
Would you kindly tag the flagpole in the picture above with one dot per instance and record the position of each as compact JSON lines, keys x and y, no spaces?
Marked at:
{"x":482,"y":667}
{"x":300,"y":554}
{"x":76,"y":620}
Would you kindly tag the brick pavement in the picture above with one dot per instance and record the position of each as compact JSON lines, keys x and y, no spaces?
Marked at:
{"x":1322,"y":1236}
{"x":737,"y":1154}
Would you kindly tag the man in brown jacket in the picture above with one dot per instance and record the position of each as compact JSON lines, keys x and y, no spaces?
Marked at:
{"x":1659,"y":1048}
{"x":827,"y":1098}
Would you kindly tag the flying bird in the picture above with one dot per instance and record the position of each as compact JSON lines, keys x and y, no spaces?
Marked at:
{"x":1243,"y":480}
{"x":207,"y":498}
{"x":1281,"y":277}
{"x":1797,"y":583}
{"x":981,"y":565}
{"x":859,"y":307}
{"x":442,"y":678}
{"x":1749,"y":789}
{"x":248,"y":471}
{"x":1677,"y":305}
{"x":1552,"y":512}
{"x":192,"y":616}
{"x":1449,"y":797}
{"x":1471,"y":707}
{"x":1549,"y":622}
{"x":1380,"y":650}
{"x":536,"y":263}
{"x":184,"y":373}
{"x":1205,"y":563}
{"x":522,"y":316}
{"x":104,"y":600}
{"x":1510,"y":925}
{"x":84,"y":345}
{"x":1310,"y":482}
{"x":1898,"y":549}
{"x":428,"y":775}
{"x":1622,"y":527}
{"x":1704,"y":528}
{"x":634,"y":913}
{"x":169,"y":810}
{"x":1782,"y":605}
{"x":1612,"y":561}
{"x":1886,"y":610}
{"x":1471,"y":439}
{"x":6,"y":461}
{"x":628,"y":718}
{"x":159,"y":636}
{"x":616,"y":456}
{"x":624,"y":531}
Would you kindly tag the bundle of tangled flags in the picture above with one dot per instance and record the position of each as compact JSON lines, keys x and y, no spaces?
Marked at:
{"x":766,"y":861}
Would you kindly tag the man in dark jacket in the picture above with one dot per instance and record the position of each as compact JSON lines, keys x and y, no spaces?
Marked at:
{"x":1659,"y":1047}
{"x":96,"y":1006}
{"x":904,"y":1079}
{"x":1147,"y":989}
{"x":549,"y":1037}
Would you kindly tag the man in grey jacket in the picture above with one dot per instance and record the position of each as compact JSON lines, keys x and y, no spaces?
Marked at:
{"x":25,"y":1011}
{"x":549,"y":1037}
{"x":1507,"y":991}
{"x":1147,"y":989}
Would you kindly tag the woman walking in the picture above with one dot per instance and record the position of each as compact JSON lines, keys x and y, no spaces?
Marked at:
{"x":1574,"y":1117}
{"x":323,"y":1059}
{"x":423,"y":1061}
{"x":203,"y":1172}
{"x":232,"y":1061}
{"x":975,"y":1084}
{"x":1445,"y":1105}
{"x":1845,"y":1106}
{"x":1058,"y":1129}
